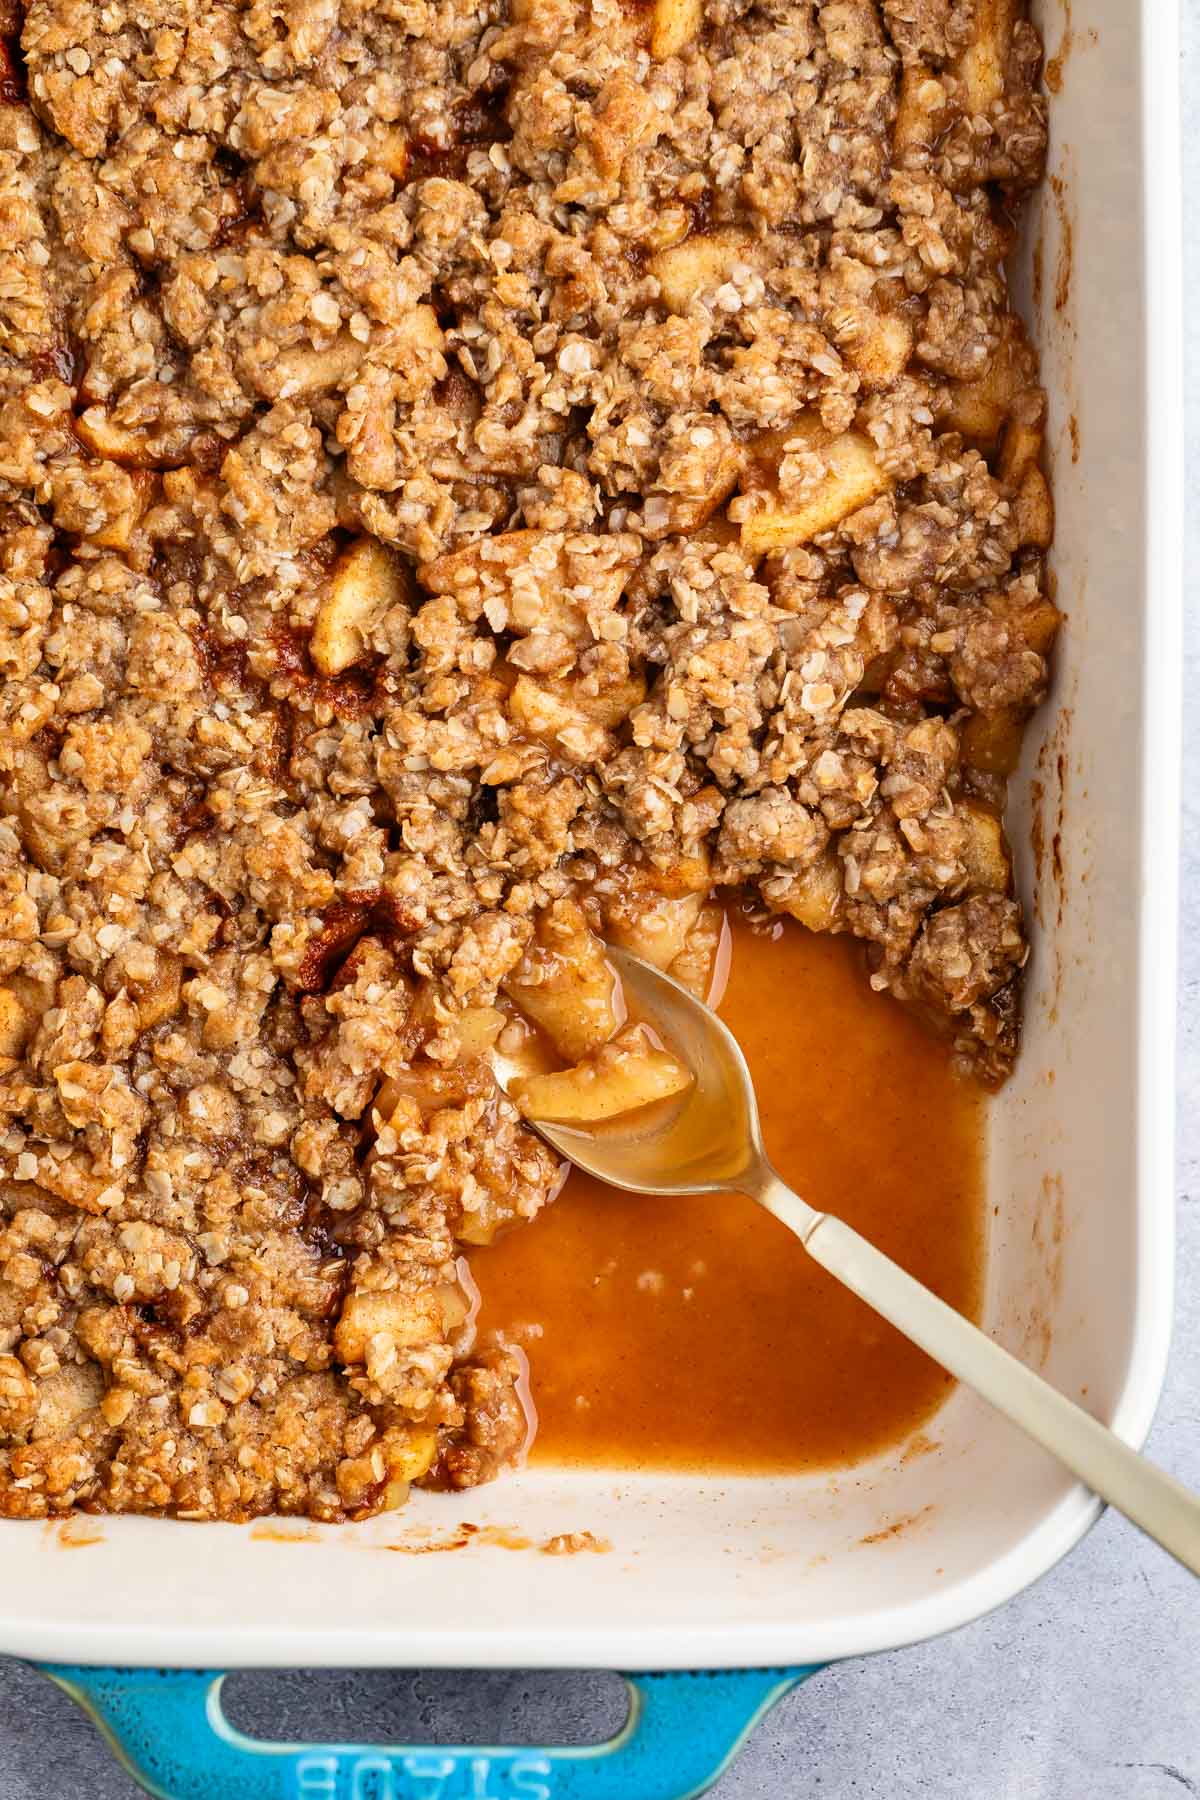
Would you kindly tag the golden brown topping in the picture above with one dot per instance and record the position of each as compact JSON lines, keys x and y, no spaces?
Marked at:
{"x":477,"y":479}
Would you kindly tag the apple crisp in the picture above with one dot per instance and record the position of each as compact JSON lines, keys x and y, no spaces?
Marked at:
{"x":478,"y":481}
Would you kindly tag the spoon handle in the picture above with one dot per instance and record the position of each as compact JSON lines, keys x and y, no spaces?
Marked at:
{"x":1162,"y":1506}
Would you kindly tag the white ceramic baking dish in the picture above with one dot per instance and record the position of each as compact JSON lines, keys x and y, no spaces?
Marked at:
{"x":708,"y":1574}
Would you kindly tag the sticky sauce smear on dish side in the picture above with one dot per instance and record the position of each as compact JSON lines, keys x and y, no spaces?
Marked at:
{"x":695,"y":1332}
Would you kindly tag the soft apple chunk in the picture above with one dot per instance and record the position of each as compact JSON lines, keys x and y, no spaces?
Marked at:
{"x":620,"y":1077}
{"x":700,"y":264}
{"x":478,"y":1027}
{"x":881,"y":350}
{"x":988,"y":864}
{"x":815,"y":896}
{"x":563,"y":983}
{"x":367,"y":580}
{"x":673,"y":26}
{"x":658,"y":928}
{"x":852,"y":476}
{"x":981,"y":65}
{"x":991,"y":741}
{"x":126,"y":444}
{"x":15,"y":1024}
{"x":982,"y":408}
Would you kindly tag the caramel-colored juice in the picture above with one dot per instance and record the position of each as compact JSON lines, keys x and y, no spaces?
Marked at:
{"x":696,"y":1333}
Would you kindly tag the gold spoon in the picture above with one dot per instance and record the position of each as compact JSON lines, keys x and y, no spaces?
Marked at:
{"x":709,"y":1141}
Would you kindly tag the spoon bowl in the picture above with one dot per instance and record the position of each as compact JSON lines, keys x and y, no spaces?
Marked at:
{"x":708,"y":1141}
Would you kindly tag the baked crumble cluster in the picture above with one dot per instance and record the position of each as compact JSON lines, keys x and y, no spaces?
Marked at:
{"x":477,"y":480}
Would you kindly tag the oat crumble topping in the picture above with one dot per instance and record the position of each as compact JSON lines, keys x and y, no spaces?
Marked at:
{"x":476,"y":480}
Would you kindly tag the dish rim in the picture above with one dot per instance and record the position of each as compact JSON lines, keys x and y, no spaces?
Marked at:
{"x":751,"y":1643}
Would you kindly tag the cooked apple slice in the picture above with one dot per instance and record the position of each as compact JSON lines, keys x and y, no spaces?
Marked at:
{"x":117,"y":533}
{"x":404,"y":1317}
{"x":125,"y":444}
{"x":852,"y":477}
{"x":1022,"y":446}
{"x":422,"y":1088}
{"x":1036,"y":620}
{"x":478,"y":1027}
{"x":540,"y":713}
{"x":389,"y":148}
{"x":620,"y":1077}
{"x":697,"y":962}
{"x":407,"y":1461}
{"x":563,"y":983}
{"x":563,"y":712}
{"x":921,"y":112}
{"x":15,"y":1024}
{"x":158,"y":998}
{"x":610,"y":705}
{"x":815,"y":895}
{"x":673,"y":26}
{"x":881,"y":350}
{"x":989,"y":867}
{"x":367,"y":579}
{"x":656,"y":926}
{"x":699,"y":263}
{"x":991,"y":742}
{"x":981,"y":409}
{"x":302,"y":371}
{"x":981,"y":65}
{"x":1033,"y":509}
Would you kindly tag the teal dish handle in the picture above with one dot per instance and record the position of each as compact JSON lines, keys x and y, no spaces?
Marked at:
{"x":167,"y":1727}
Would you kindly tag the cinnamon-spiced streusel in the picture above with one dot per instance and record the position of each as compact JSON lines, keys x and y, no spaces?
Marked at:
{"x":477,"y":479}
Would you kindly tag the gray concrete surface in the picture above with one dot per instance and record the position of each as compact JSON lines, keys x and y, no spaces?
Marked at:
{"x":1085,"y":1688}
